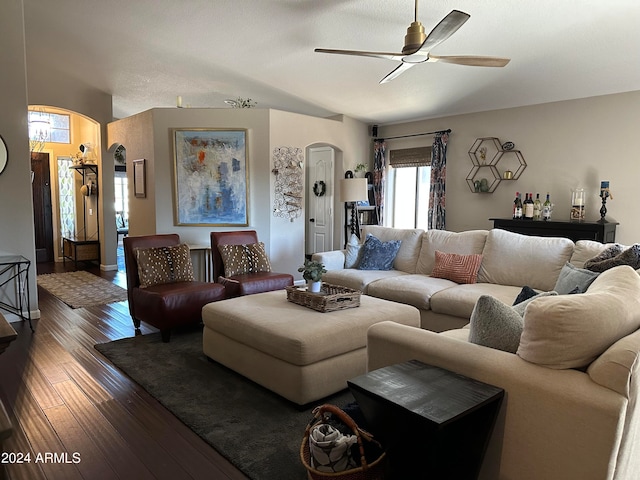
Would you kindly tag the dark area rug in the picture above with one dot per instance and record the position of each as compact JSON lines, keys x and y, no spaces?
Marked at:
{"x":257,"y":430}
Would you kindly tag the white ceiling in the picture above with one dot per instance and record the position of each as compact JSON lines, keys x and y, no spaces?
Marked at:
{"x":146,"y":52}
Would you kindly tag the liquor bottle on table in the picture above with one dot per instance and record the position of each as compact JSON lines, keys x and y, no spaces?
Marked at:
{"x":547,"y":207}
{"x":537,"y":208}
{"x":528,"y":206}
{"x":517,"y":207}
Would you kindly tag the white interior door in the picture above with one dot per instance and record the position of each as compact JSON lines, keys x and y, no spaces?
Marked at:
{"x":319,"y":216}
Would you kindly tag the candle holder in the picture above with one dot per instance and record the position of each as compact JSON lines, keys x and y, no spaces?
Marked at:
{"x":604,"y":194}
{"x":603,"y":210}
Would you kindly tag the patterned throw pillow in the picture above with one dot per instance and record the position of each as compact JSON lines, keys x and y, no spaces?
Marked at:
{"x":378,"y":255}
{"x":158,"y":265}
{"x":240,"y":259}
{"x":457,"y":268}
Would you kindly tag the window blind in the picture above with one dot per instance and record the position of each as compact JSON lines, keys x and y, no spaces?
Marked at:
{"x":410,"y":157}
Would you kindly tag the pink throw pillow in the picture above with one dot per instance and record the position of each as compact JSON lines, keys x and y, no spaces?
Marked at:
{"x":457,"y":268}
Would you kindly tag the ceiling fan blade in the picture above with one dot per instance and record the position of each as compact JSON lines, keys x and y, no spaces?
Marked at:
{"x":470,"y":60}
{"x":403,"y":67}
{"x":443,"y":30}
{"x":386,"y":55}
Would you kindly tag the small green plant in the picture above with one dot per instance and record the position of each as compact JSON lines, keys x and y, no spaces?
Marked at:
{"x":312,"y":271}
{"x":361,"y":167}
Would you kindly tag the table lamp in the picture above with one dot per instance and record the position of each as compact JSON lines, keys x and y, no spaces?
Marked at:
{"x":353,"y":190}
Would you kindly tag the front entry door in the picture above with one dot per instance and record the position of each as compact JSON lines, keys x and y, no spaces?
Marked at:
{"x":42,"y":213}
{"x":319,"y":231}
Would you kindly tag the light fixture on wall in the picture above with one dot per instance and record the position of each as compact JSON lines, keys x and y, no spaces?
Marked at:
{"x":39,"y":129}
{"x":353,"y":190}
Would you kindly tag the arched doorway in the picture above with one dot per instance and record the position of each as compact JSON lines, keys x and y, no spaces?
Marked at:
{"x":65,"y":195}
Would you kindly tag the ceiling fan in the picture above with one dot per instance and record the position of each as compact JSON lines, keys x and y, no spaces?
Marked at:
{"x":418,"y":45}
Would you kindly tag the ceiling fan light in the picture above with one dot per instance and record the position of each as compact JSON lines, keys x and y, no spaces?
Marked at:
{"x":414,"y":38}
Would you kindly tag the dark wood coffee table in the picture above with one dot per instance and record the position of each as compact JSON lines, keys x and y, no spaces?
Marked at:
{"x":434,"y":423}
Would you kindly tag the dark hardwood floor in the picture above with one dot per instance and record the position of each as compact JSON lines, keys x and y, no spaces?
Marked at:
{"x":65,"y":399}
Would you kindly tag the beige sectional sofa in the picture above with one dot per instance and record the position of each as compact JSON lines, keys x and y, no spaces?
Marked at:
{"x":556,"y":422}
{"x":509,"y":262}
{"x":572,"y":388}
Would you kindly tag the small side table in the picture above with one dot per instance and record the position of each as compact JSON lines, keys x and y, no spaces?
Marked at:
{"x":205,"y":267}
{"x":15,"y":268}
{"x":434,"y":423}
{"x":79,"y":250}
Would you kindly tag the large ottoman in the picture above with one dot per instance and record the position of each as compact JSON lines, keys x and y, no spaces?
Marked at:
{"x":297,"y":352}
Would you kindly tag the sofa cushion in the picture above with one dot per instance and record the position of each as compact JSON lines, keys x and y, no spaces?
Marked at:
{"x":409,"y":251}
{"x":358,"y":279}
{"x":378,"y":255}
{"x":463,"y":243}
{"x":457,"y":268}
{"x":413,"y":290}
{"x":513,"y":259}
{"x":614,"y":368}
{"x":572,"y":277}
{"x":459,"y":300}
{"x":570,"y":331}
{"x":240,"y":259}
{"x":160,"y":265}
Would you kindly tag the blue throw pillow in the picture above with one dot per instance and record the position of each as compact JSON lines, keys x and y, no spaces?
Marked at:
{"x":378,"y":255}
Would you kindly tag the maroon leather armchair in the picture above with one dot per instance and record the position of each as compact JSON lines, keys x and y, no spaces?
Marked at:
{"x":246,"y":283}
{"x":167,"y":305}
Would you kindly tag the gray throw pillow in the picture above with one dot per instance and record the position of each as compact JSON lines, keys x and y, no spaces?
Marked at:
{"x":571,"y":277}
{"x":378,"y":255}
{"x":497,"y":325}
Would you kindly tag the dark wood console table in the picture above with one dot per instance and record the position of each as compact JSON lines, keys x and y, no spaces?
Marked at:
{"x":435,"y":424}
{"x":587,"y":230}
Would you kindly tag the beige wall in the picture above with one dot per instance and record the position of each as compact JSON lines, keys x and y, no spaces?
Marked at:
{"x":565,"y":144}
{"x":16,"y":219}
{"x":349,"y":138}
{"x":54,"y":86}
{"x":148,"y":135}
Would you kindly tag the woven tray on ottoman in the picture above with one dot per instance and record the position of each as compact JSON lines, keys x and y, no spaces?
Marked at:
{"x":329,"y":299}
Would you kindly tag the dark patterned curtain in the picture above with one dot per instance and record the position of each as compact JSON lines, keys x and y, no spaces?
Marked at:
{"x":437,"y":197}
{"x":379,"y":173}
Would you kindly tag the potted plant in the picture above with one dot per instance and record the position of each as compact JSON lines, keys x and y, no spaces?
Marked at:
{"x":312,"y":272}
{"x":360,"y":170}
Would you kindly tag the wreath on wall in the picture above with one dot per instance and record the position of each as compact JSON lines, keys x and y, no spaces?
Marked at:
{"x":319,"y":188}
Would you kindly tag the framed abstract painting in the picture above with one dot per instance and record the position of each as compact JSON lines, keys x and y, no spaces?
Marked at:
{"x":211,"y":177}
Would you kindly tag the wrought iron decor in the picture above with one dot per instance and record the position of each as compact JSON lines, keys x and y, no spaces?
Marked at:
{"x":289,"y":185}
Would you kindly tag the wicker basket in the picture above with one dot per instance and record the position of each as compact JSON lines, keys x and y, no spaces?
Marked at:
{"x":329,"y":299}
{"x":366,"y":471}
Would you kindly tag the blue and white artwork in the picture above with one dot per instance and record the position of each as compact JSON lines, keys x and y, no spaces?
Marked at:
{"x":211,"y":177}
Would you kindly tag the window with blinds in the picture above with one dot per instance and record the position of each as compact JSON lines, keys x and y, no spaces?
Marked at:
{"x":410,"y":179}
